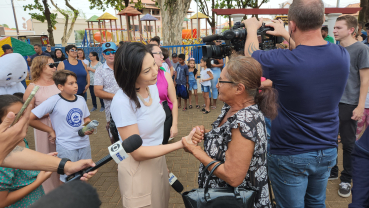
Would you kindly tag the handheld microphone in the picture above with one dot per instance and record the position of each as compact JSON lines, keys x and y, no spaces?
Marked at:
{"x":174,"y":182}
{"x":93,"y":124}
{"x":117,"y":151}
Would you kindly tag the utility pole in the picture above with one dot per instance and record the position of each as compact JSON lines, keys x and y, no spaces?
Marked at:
{"x":338,"y":3}
{"x":15,"y":18}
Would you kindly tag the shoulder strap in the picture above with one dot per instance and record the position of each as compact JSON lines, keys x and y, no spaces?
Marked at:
{"x":55,"y":105}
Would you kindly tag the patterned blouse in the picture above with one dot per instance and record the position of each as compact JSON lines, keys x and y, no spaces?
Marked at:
{"x":250,"y":121}
{"x":15,"y":179}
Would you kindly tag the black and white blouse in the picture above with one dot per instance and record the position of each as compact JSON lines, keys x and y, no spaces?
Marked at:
{"x":250,"y":121}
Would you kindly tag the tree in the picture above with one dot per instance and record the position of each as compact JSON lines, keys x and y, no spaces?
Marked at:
{"x":204,"y":8}
{"x":5,"y":25}
{"x":45,"y":15}
{"x":74,"y":13}
{"x":364,"y":13}
{"x":172,"y":13}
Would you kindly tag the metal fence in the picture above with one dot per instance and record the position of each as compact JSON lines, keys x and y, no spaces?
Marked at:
{"x":191,"y":51}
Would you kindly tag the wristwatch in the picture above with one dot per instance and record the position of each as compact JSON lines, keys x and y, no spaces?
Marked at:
{"x":61,"y":165}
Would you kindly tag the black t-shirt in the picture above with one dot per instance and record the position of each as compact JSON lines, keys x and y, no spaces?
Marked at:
{"x":363,"y":36}
{"x":52,"y":53}
{"x":42,"y":54}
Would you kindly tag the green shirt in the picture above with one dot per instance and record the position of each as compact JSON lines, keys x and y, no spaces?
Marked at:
{"x":15,"y":179}
{"x":329,"y":39}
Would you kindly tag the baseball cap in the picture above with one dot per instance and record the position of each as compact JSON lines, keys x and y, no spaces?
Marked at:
{"x":174,"y":55}
{"x":109,"y":45}
{"x":6,"y":47}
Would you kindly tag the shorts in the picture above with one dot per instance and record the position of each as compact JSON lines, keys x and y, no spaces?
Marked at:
{"x":192,"y":84}
{"x":181,"y":91}
{"x":73,"y":155}
{"x":205,"y":88}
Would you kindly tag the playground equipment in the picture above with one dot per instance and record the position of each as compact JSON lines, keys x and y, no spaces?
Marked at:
{"x":188,"y":34}
{"x":149,"y":18}
{"x":130,"y":12}
{"x":97,"y":36}
{"x":199,"y":16}
{"x":103,"y":18}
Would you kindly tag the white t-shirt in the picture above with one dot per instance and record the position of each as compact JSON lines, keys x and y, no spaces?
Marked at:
{"x":67,"y":117}
{"x":166,"y":67}
{"x":204,"y":75}
{"x":86,"y":62}
{"x":150,"y":119}
{"x":367,"y":101}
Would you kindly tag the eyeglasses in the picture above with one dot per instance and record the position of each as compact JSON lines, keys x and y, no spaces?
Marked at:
{"x":73,"y":50}
{"x":220,"y":81}
{"x":48,"y":46}
{"x":52,"y":65}
{"x":218,"y":41}
{"x":160,"y":53}
{"x":109,"y":52}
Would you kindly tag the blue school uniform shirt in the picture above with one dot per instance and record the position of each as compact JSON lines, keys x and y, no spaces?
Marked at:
{"x":182,"y":73}
{"x":310,"y":85}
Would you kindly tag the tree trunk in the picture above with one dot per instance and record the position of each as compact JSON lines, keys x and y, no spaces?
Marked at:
{"x":229,"y":21}
{"x":212,"y":25}
{"x":363,"y":14}
{"x":172,"y":20}
{"x":49,"y":26}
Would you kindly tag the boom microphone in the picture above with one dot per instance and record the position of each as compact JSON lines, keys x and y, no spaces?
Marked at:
{"x":174,"y":182}
{"x":117,"y":151}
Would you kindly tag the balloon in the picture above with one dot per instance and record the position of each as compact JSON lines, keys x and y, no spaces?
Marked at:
{"x":97,"y":36}
{"x":186,"y":34}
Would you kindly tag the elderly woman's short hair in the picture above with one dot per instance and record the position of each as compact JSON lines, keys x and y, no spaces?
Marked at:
{"x":248,"y":72}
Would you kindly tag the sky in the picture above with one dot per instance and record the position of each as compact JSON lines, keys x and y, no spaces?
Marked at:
{"x":6,"y":12}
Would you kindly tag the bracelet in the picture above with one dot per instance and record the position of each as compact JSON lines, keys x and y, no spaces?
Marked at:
{"x":61,"y":165}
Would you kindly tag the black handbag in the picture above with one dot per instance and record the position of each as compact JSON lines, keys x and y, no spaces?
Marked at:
{"x":218,"y":197}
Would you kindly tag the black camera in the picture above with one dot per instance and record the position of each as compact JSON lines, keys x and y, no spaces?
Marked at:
{"x":235,"y":41}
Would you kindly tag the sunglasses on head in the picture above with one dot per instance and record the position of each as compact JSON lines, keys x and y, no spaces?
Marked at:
{"x":109,"y":52}
{"x":73,"y":50}
{"x":52,"y":65}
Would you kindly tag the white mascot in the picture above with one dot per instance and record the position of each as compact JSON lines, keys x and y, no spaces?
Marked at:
{"x":13,"y":70}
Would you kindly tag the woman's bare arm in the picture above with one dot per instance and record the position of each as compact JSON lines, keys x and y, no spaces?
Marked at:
{"x":239,"y":155}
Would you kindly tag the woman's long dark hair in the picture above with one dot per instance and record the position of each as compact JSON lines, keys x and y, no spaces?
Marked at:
{"x":62,"y":57}
{"x":127,"y":67}
{"x":93,"y":53}
{"x":248,"y":71}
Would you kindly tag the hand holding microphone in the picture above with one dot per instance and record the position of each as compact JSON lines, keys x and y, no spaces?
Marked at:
{"x":117,"y":151}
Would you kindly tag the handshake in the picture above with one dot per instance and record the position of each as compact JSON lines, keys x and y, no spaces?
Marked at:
{"x":190,"y":142}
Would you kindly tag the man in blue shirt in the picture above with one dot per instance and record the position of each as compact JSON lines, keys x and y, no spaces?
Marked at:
{"x":304,"y":134}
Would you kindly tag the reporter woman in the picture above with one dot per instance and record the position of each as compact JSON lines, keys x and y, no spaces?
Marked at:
{"x":136,"y":109}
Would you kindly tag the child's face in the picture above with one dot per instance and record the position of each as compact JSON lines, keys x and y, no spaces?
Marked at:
{"x":70,"y":87}
{"x":181,"y":61}
{"x":202,"y":63}
{"x":192,"y":64}
{"x":15,"y":108}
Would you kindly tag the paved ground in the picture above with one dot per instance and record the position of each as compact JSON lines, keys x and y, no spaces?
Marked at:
{"x":182,"y":164}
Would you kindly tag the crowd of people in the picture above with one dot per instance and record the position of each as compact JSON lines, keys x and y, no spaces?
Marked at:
{"x":309,"y":97}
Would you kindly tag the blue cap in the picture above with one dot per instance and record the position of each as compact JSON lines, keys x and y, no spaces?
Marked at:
{"x":109,"y":45}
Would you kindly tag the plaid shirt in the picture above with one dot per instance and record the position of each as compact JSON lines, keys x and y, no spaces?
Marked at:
{"x":104,"y":76}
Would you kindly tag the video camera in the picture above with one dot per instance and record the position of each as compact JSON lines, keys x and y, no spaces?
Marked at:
{"x":235,"y":41}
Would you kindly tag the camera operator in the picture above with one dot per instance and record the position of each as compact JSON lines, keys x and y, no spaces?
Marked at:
{"x":310,"y":86}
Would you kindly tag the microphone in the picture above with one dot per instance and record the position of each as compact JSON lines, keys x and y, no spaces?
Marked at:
{"x":174,"y":182}
{"x":210,"y":38}
{"x":117,"y":151}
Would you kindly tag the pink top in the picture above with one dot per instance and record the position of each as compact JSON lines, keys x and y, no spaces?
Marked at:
{"x":162,"y":85}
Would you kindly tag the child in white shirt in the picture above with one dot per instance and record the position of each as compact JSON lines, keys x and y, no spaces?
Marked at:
{"x":206,"y":76}
{"x":68,"y":112}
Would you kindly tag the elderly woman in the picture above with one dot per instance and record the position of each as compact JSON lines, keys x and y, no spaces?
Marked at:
{"x":238,"y":136}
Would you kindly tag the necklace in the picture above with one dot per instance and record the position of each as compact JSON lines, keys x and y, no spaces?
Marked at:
{"x":143,"y":100}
